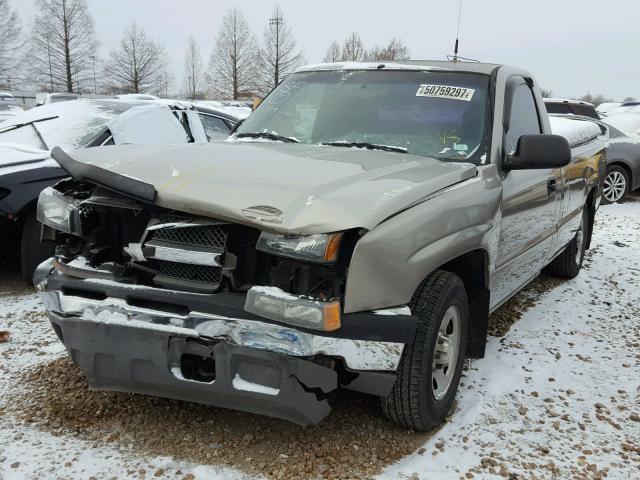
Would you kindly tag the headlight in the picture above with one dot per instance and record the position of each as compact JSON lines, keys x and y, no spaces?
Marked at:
{"x":273,"y":303}
{"x":55,"y":211}
{"x":313,"y":248}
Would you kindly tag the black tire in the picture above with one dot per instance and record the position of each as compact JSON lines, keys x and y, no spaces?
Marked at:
{"x":619,"y":173}
{"x":412,"y":402}
{"x":569,"y":262}
{"x":33,"y":251}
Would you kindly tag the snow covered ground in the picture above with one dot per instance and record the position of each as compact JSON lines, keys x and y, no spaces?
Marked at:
{"x":557,"y":397}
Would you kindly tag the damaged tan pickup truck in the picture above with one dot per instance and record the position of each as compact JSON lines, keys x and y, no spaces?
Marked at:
{"x":355,"y":232}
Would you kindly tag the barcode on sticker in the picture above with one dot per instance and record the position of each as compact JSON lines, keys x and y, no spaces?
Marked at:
{"x":446,"y":91}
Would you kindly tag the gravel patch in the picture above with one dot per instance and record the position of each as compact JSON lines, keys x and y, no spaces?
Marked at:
{"x":353,"y":442}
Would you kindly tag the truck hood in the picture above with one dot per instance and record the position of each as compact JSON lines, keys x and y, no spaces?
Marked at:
{"x":287,"y":188}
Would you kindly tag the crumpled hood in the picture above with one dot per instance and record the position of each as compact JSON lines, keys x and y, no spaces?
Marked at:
{"x":301,"y":188}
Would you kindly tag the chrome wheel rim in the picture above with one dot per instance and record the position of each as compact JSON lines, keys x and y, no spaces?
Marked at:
{"x":614,"y":186}
{"x":445,"y":353}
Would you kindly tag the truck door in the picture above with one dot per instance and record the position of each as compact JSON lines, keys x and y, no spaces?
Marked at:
{"x":529,"y":200}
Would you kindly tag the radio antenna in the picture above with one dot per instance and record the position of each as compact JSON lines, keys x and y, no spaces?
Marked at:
{"x":455,"y":49}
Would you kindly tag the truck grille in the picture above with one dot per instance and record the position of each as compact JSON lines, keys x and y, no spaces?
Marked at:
{"x":194,"y":273}
{"x":207,"y":237}
{"x":212,"y":236}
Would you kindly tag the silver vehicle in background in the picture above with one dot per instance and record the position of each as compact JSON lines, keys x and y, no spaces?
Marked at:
{"x":355,"y":232}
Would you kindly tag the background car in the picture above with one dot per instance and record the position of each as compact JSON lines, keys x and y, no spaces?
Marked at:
{"x":604,"y":108}
{"x":46,"y":98}
{"x":571,"y":107}
{"x":626,"y":107}
{"x":27,"y":139}
{"x":623,"y":154}
{"x":628,"y":122}
{"x":8,"y":106}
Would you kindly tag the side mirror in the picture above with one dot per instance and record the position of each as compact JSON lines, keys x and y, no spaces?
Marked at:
{"x":539,"y":152}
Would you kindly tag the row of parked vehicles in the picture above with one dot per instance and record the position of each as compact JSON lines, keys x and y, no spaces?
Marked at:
{"x":354,"y":232}
{"x":622,"y":120}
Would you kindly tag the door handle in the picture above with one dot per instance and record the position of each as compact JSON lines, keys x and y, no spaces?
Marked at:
{"x":552,"y":185}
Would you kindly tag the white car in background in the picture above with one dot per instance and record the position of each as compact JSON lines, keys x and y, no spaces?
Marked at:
{"x":8,"y":106}
{"x":605,"y":108}
{"x":47,"y":98}
{"x":627,"y":107}
{"x":628,"y":122}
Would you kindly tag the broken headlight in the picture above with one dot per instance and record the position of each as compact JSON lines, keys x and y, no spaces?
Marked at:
{"x":58,"y":212}
{"x":313,"y":248}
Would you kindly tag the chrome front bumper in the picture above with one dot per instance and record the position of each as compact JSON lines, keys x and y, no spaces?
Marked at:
{"x":107,"y":302}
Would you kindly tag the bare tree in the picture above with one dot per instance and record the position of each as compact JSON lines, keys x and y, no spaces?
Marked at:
{"x":394,"y":50}
{"x":232,"y":64}
{"x":138,"y":66}
{"x":278,"y":56}
{"x":62,"y":40}
{"x":352,"y":50}
{"x":10,"y":42}
{"x":333,"y":53}
{"x":546,"y":92}
{"x":193,"y":71}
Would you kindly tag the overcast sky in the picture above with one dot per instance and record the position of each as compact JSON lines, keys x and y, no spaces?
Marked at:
{"x":571,"y":46}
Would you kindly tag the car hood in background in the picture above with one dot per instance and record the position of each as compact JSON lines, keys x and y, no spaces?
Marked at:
{"x":288,"y":188}
{"x":15,"y":156}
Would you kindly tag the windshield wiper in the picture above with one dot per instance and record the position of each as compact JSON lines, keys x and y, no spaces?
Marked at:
{"x":267,"y":135}
{"x":20,"y":125}
{"x":367,"y":145}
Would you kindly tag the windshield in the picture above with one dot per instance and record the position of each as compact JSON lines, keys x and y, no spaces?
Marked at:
{"x":437,"y":114}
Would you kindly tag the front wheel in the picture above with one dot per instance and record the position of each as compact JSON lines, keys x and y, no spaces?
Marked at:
{"x":616,"y":184}
{"x":431,"y":367}
{"x":569,"y":262}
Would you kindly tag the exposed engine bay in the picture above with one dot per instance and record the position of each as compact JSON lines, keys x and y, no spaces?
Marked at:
{"x":163,"y":248}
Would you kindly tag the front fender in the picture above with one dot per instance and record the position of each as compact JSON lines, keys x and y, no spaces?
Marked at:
{"x":390,"y":261}
{"x":25,"y":187}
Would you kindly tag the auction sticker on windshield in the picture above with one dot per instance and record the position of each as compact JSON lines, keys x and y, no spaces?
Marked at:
{"x":446,"y":91}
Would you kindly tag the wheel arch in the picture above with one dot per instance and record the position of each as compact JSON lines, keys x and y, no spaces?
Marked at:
{"x":624,"y":165}
{"x":473,"y":269}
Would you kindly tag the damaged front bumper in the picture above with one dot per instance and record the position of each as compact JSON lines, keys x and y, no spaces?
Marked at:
{"x":143,"y":339}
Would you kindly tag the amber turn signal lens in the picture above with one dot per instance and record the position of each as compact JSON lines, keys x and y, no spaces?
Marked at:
{"x":333,"y":247}
{"x":332,"y":320}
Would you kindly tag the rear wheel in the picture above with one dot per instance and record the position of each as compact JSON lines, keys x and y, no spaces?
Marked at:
{"x":569,"y":262}
{"x":33,"y":250}
{"x":616,"y":184}
{"x":431,"y":367}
